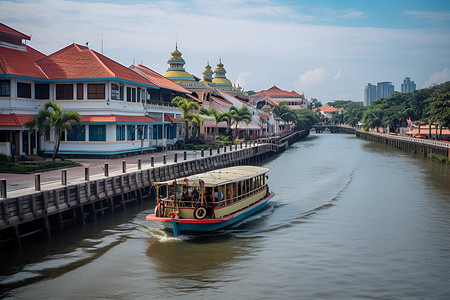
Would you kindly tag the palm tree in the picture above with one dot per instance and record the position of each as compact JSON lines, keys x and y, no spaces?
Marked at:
{"x":283,"y":111}
{"x":218,"y":117}
{"x":242,"y":114}
{"x":187,"y":115}
{"x":52,"y":116}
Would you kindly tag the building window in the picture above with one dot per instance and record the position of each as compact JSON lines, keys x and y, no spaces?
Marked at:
{"x":64,"y":92}
{"x":128,"y":94}
{"x":78,"y":133}
{"x":79,"y":91}
{"x":131,"y":94}
{"x":24,"y":90}
{"x":138,"y":94}
{"x":41,"y":91}
{"x":120,"y":132}
{"x":96,"y":91}
{"x":131,"y":133}
{"x":115,"y":92}
{"x":97,"y":133}
{"x":5,"y":89}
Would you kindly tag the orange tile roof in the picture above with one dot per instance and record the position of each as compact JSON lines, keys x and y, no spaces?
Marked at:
{"x":10,"y":31}
{"x":79,"y":62}
{"x":116,"y":119}
{"x":160,"y":80}
{"x":21,"y":62}
{"x":15,"y":119}
{"x":328,"y":108}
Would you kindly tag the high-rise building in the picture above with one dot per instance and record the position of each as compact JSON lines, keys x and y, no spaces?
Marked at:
{"x":370,"y":94}
{"x":384,"y":89}
{"x":408,"y":85}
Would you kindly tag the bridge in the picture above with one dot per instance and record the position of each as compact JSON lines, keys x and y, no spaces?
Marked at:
{"x":319,"y":128}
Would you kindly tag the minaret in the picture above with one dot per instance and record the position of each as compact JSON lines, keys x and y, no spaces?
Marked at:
{"x":219,"y":75}
{"x":176,"y":71}
{"x":208,"y":73}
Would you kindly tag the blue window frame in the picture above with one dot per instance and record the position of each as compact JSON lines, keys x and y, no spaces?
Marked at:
{"x":131,"y":132}
{"x":78,"y":133}
{"x":97,"y":133}
{"x":120,"y":132}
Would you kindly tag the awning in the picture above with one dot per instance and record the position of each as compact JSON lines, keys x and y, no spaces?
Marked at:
{"x":116,"y":119}
{"x":169,"y":118}
{"x":16,"y":120}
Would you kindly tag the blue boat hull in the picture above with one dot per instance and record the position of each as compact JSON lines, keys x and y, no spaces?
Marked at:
{"x":182,"y":225}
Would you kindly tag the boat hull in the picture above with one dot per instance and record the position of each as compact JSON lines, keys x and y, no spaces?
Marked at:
{"x":193,"y":225}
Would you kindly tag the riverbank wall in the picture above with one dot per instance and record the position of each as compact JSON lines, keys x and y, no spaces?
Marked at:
{"x":42,"y":212}
{"x":407,"y":144}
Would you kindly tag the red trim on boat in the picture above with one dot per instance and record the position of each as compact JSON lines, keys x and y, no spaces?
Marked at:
{"x":152,"y":217}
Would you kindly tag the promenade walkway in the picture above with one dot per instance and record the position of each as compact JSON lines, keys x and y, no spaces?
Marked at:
{"x":23,"y":184}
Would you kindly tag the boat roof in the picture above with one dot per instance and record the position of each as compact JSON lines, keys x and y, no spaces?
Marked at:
{"x":218,"y":177}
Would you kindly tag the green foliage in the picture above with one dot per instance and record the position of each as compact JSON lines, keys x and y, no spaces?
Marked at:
{"x":285,"y":113}
{"x":429,"y":105}
{"x":33,"y":166}
{"x":306,"y":118}
{"x":439,"y":158}
{"x":3,"y":157}
{"x":187,"y":115}
{"x":52,"y":116}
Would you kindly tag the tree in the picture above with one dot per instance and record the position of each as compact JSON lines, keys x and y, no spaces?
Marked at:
{"x":306,"y":118}
{"x":372,"y":119}
{"x":242,"y":114}
{"x":187,"y":115}
{"x":438,"y":108}
{"x":218,"y":117}
{"x":284,"y":112}
{"x":315,"y":103}
{"x":52,"y":116}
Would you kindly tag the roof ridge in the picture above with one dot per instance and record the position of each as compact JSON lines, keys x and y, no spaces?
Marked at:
{"x":92,"y":52}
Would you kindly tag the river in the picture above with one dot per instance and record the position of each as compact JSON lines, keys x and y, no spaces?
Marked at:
{"x":350,"y":219}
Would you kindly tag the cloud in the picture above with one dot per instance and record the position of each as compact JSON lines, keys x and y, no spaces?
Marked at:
{"x":265,"y":42}
{"x":316,"y":76}
{"x":435,"y":16}
{"x":242,"y":78}
{"x":437,"y":78}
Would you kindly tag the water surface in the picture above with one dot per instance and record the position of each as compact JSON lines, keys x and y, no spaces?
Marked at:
{"x":350,"y":219}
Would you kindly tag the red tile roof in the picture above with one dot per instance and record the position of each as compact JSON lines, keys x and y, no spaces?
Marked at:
{"x":271,"y":101}
{"x":275,"y":92}
{"x":79,"y":62}
{"x":160,"y":80}
{"x":14,"y":119}
{"x":116,"y":119}
{"x":10,"y":31}
{"x":21,"y":62}
{"x":220,"y":100}
{"x":169,"y":118}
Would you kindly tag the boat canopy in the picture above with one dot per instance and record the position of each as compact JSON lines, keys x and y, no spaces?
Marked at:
{"x":217,"y":177}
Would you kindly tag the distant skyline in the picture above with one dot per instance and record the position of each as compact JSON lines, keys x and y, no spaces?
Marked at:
{"x":327,"y":49}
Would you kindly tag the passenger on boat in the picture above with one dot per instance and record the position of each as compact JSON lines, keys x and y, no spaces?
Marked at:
{"x":195,"y":194}
{"x":218,"y":196}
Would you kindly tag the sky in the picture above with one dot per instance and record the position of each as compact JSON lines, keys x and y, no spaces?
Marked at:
{"x":326,"y":49}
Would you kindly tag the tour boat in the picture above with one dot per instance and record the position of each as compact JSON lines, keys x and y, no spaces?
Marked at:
{"x":211,"y":200}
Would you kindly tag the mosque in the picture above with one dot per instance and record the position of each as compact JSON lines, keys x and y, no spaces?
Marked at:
{"x":203,"y":88}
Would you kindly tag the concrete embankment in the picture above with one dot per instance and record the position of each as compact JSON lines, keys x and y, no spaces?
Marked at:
{"x":42,"y":211}
{"x":408,"y":144}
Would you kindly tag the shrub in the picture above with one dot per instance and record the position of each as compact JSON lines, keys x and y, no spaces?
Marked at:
{"x":3,"y":157}
{"x":439,"y":158}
